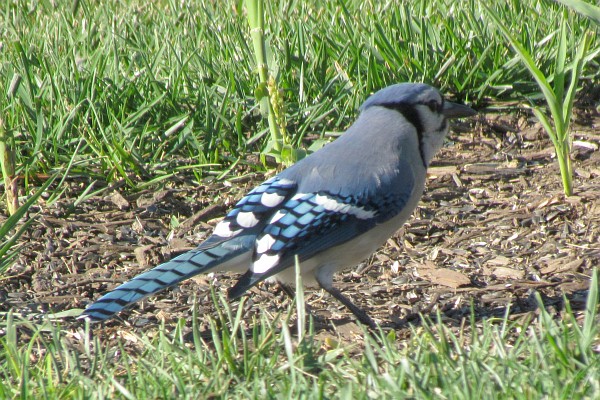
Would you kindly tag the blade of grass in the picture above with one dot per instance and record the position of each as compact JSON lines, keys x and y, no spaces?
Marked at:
{"x":528,"y":61}
{"x":300,"y":301}
{"x":590,"y":327}
{"x":561,"y":60}
{"x":588,"y":10}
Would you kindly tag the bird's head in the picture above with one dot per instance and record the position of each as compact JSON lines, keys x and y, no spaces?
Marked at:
{"x":425,"y":108}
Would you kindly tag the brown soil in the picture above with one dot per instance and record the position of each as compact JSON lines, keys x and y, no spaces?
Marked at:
{"x":493,"y":228}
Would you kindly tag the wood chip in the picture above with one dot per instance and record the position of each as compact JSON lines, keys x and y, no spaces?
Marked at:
{"x":559,"y":265}
{"x":481,"y":168}
{"x":201,"y":216}
{"x":177,"y":245}
{"x":499,"y":260}
{"x":506,"y":273}
{"x":118,"y":200}
{"x":585,"y":145}
{"x":443,"y":276}
{"x":141,"y":255}
{"x":128,"y":336}
{"x":441,"y":171}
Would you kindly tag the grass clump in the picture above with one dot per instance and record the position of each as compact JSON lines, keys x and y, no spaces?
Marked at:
{"x":498,"y":358}
{"x":559,"y":98}
{"x":120,"y":89}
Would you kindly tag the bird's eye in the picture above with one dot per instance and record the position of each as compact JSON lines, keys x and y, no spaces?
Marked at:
{"x":435,"y":106}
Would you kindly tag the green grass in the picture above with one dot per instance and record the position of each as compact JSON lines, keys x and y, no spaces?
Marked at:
{"x":532,"y":357}
{"x":119,"y":89}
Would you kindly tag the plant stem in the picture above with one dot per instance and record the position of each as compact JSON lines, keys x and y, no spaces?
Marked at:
{"x":566,"y":169}
{"x":256,"y":21}
{"x":7,"y":163}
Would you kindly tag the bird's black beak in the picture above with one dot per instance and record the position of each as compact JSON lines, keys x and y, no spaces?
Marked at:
{"x":455,"y":110}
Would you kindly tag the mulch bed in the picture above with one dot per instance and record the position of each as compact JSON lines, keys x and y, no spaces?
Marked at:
{"x":493,"y":229}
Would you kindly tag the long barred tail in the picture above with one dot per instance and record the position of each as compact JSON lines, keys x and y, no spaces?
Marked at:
{"x":203,"y":259}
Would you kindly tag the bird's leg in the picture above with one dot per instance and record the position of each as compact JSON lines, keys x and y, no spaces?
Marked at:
{"x":358,"y":312}
{"x":287,"y":289}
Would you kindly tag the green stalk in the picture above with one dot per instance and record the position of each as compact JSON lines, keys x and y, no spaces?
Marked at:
{"x":566,"y":169}
{"x":7,"y":163}
{"x":256,"y":21}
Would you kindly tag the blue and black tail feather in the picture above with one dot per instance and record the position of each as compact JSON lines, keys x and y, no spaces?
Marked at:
{"x":237,"y":234}
{"x":200,"y":260}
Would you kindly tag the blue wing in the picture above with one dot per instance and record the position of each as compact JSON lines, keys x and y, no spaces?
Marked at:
{"x":251,"y":213}
{"x":310,"y":223}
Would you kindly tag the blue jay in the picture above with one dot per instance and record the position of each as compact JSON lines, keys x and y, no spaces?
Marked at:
{"x":332,"y":209}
